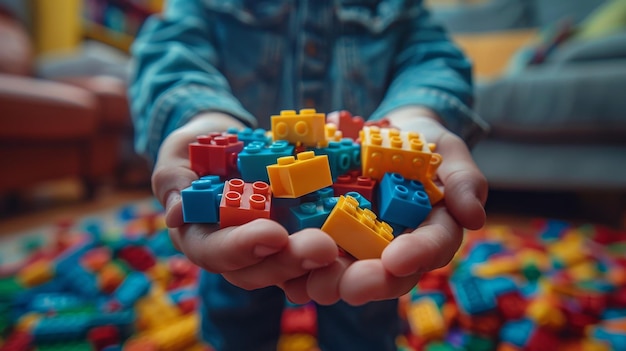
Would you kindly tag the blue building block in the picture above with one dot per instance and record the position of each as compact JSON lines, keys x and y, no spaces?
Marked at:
{"x":310,"y":214}
{"x":249,"y":135}
{"x":69,"y":258}
{"x":161,"y":244}
{"x":402,"y":201}
{"x":201,"y":201}
{"x":517,"y":332}
{"x":343,"y":156}
{"x":67,"y":327}
{"x":135,"y":286}
{"x":615,"y":338}
{"x":81,"y":282}
{"x":280,"y":211}
{"x":471,"y":294}
{"x":56,"y":302}
{"x":255,"y":157}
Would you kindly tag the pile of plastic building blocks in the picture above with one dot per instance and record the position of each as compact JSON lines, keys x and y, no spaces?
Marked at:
{"x":95,"y":286}
{"x":551,"y":287}
{"x":360,"y":183}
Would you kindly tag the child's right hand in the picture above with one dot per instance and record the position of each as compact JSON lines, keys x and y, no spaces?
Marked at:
{"x":255,"y":255}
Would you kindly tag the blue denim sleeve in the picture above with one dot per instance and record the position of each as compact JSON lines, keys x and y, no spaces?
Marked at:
{"x":174,"y":75}
{"x":431,"y":71}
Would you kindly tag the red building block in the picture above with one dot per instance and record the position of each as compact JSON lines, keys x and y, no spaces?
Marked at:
{"x":137,"y":257}
{"x":244,"y":202}
{"x":349,"y":125}
{"x":511,"y":305}
{"x":215,"y":154}
{"x":17,"y":341}
{"x":299,"y":320}
{"x":103,"y":336}
{"x":353,"y":181}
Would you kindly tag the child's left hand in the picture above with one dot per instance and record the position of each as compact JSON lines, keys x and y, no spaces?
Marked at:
{"x":428,"y":247}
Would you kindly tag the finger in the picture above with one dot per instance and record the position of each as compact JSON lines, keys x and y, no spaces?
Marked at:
{"x":231,"y":248}
{"x":431,"y":246}
{"x":308,"y":249}
{"x":171,"y":174}
{"x":296,"y":289}
{"x":464,"y":185}
{"x":323,"y":283}
{"x":368,"y":280}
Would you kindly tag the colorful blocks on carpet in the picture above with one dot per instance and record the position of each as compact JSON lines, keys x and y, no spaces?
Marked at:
{"x":244,"y":202}
{"x":357,"y":230}
{"x":201,"y":200}
{"x":291,"y":177}
{"x":402,"y":201}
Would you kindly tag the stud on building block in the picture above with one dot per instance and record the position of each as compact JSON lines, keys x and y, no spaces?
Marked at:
{"x":215,"y":154}
{"x":343,"y":156}
{"x":310,"y":214}
{"x":385,"y":150}
{"x":248,"y":135}
{"x":349,"y":125}
{"x":354,"y":181}
{"x":305,"y":128}
{"x":201,"y":200}
{"x":254,"y":159}
{"x":244,"y":202}
{"x":357,"y":230}
{"x":425,"y":319}
{"x":294,"y":178}
{"x":402,"y":201}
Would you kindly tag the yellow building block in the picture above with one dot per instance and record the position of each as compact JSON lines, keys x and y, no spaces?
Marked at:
{"x":306,"y":128}
{"x":357,"y":230}
{"x":178,"y":335}
{"x":497,"y":266}
{"x":297,"y":342}
{"x":156,"y":310}
{"x":425,"y":319}
{"x":544,"y":311}
{"x":386,"y":150}
{"x":36,"y":273}
{"x":291,"y":178}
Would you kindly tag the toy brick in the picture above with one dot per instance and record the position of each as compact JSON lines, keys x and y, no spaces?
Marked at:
{"x":254,"y":159}
{"x":512,"y":305}
{"x":135,"y":286}
{"x":385,"y":150}
{"x":294,"y":178}
{"x":201,"y":200}
{"x":310,"y":214}
{"x":343,"y":156}
{"x":425,"y":319}
{"x":305,"y":128}
{"x":103,"y":336}
{"x":357,"y":230}
{"x":215,"y":154}
{"x":62,"y":328}
{"x":353,"y":181}
{"x":402,"y":201}
{"x":331,"y":134}
{"x":248,"y":135}
{"x":349,"y":125}
{"x":137,"y":257}
{"x":517,"y":332}
{"x":244,"y":202}
{"x":471,"y":295}
{"x":363,"y":202}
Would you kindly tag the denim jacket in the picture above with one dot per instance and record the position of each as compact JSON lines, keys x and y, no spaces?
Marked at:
{"x":253,"y":58}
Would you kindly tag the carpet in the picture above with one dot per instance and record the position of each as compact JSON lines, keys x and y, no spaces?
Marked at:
{"x":113,"y":281}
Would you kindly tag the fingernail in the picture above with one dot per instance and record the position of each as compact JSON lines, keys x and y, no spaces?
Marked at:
{"x":309,"y":264}
{"x":264,"y":251}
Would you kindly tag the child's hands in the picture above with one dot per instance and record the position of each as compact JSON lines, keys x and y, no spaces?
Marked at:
{"x":430,"y":246}
{"x":254,"y":255}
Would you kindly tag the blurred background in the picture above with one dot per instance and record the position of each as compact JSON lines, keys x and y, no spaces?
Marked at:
{"x":550,"y":79}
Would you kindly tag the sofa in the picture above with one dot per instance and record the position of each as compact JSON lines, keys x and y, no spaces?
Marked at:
{"x":69,"y":126}
{"x":551,"y":82}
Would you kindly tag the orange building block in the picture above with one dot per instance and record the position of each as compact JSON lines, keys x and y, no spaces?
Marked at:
{"x":357,"y":230}
{"x":306,"y":128}
{"x":291,"y":178}
{"x":244,"y":202}
{"x":385,"y":150}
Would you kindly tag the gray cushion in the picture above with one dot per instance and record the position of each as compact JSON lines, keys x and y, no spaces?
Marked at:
{"x":553,"y":102}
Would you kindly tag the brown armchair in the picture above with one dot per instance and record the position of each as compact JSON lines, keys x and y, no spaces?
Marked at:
{"x":71,"y":127}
